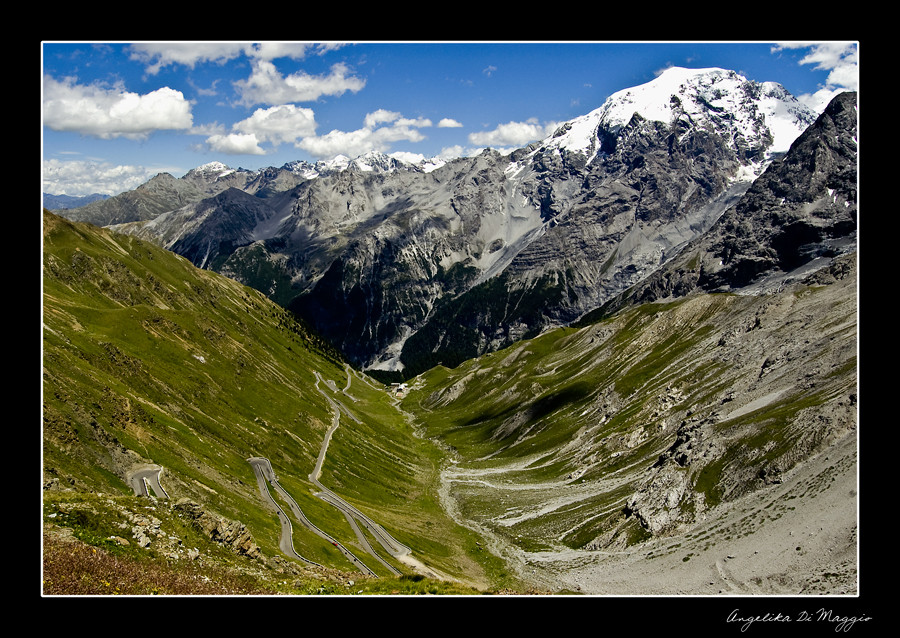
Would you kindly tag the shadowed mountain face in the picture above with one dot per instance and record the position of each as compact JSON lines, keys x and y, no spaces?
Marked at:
{"x":550,"y":233}
{"x":802,"y":208}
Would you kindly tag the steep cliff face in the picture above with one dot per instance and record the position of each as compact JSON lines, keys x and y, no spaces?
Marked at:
{"x":407,"y":242}
{"x":587,"y":213}
{"x":796,"y":218}
{"x":803,"y":208}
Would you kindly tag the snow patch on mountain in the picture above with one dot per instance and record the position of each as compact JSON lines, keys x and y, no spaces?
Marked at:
{"x":371,"y":162}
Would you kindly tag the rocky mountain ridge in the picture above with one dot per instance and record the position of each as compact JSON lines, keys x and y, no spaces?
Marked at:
{"x":403,"y":269}
{"x":164,"y":192}
{"x":756,"y":120}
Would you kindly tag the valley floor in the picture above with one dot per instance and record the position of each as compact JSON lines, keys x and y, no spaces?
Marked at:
{"x":795,"y":538}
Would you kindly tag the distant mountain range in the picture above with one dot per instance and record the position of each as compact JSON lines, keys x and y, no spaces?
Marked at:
{"x":406,"y":266}
{"x":60,"y":202}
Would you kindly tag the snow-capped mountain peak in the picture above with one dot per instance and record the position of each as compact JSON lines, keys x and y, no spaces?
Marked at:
{"x":653,"y":100}
{"x":373,"y":161}
{"x":756,"y":115}
{"x":212,"y":170}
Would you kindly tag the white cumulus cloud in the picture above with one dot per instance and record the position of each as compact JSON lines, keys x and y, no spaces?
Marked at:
{"x":381,"y":128}
{"x":285,"y":123}
{"x":235,"y":144}
{"x":513,"y":134}
{"x":452,"y":152}
{"x":156,"y":55}
{"x":293,"y":50}
{"x":277,"y":124}
{"x":113,"y":112}
{"x":840,"y":59}
{"x":266,"y":85}
{"x":81,"y":177}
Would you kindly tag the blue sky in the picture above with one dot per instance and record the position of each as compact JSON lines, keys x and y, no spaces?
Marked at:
{"x":115,"y":114}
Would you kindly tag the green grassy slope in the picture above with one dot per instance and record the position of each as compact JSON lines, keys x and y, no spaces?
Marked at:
{"x":150,"y":361}
{"x":604,"y":435}
{"x":599,"y":436}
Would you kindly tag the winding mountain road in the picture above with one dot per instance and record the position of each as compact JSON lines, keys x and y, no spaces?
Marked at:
{"x":264,"y":472}
{"x":389,"y":543}
{"x":265,"y":476}
{"x":145,"y":479}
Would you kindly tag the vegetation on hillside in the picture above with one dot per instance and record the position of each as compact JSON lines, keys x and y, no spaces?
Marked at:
{"x":606,"y":434}
{"x":599,"y":436}
{"x":149,"y":361}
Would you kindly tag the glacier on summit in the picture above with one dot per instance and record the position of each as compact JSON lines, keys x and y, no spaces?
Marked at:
{"x":759,"y":113}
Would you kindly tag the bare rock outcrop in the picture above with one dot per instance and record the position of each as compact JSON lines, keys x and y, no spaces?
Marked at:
{"x":233,"y":534}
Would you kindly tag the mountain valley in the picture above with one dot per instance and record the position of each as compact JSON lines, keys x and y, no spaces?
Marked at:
{"x":620,"y":361}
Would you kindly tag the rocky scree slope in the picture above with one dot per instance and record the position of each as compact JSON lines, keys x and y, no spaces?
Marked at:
{"x":690,"y":432}
{"x":692,"y":413}
{"x":556,"y":228}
